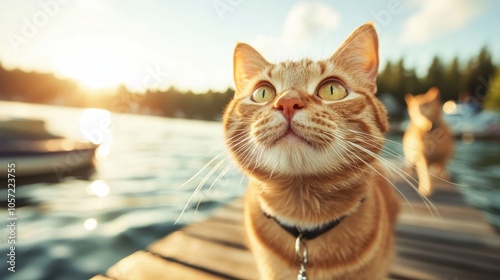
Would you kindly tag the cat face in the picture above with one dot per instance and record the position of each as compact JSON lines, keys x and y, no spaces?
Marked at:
{"x":306,"y":117}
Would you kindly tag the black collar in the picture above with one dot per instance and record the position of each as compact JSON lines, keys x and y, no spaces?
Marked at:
{"x":307,"y":234}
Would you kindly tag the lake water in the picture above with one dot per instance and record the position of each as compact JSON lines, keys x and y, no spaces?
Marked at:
{"x":78,"y":227}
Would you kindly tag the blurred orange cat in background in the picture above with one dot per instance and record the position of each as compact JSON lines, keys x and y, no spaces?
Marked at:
{"x":428,"y":142}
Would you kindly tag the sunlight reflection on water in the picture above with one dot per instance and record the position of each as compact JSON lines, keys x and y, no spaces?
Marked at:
{"x":99,"y":188}
{"x":90,"y":224}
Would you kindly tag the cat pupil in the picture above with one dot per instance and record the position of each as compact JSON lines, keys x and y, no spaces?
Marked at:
{"x":263,"y":93}
{"x":331,"y":90}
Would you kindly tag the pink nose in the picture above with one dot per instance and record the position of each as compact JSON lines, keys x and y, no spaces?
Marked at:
{"x":288,"y":105}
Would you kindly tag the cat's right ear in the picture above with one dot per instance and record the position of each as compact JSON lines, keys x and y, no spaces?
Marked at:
{"x":359,"y":55}
{"x":248,"y":63}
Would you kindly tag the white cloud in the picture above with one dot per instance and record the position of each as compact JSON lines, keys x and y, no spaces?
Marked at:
{"x":305,"y":23}
{"x":435,"y":18}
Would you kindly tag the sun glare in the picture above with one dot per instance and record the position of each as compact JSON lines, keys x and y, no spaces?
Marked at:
{"x":94,"y":65}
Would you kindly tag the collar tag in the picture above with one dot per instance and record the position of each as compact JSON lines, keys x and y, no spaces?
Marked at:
{"x":302,"y":256}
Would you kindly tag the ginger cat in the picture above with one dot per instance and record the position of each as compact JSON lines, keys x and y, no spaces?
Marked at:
{"x":428,"y":140}
{"x":308,"y":134}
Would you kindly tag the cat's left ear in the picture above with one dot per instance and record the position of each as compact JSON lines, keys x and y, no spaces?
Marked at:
{"x":248,"y":63}
{"x":409,"y":99}
{"x":359,"y":56}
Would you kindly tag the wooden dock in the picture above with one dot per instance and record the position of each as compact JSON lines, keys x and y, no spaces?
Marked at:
{"x":459,"y":244}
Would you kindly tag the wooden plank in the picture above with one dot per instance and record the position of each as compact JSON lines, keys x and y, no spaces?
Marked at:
{"x":449,"y":237}
{"x":445,"y":211}
{"x":218,"y":231}
{"x":448,"y":259}
{"x":146,"y":266}
{"x":476,"y":254}
{"x":458,"y":226}
{"x":231,"y":261}
{"x":230,"y":214}
{"x":407,"y":269}
{"x":236,"y":204}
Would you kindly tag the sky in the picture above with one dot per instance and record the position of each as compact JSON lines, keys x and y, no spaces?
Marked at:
{"x":189,"y":44}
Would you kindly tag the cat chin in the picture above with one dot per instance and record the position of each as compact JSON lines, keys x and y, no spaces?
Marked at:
{"x":292,"y":156}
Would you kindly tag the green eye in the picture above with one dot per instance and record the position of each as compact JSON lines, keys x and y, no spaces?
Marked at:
{"x":332,"y":91}
{"x":263,"y":94}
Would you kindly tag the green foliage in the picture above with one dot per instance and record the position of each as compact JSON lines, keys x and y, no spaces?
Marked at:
{"x":479,"y":71}
{"x":33,"y":87}
{"x":492,"y":101}
{"x":173,"y":103}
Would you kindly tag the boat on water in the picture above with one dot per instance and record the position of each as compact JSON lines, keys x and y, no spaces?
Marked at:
{"x":480,"y":125}
{"x":37,"y":152}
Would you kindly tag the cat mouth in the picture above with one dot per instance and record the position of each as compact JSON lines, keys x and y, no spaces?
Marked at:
{"x":290,"y":134}
{"x":291,"y":137}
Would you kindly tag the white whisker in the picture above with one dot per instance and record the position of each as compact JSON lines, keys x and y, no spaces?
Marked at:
{"x":395,"y":154}
{"x":385,"y":178}
{"x":401,"y":174}
{"x":199,"y":187}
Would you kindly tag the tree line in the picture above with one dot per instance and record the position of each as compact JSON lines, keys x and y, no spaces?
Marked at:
{"x":470,"y":81}
{"x":464,"y":82}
